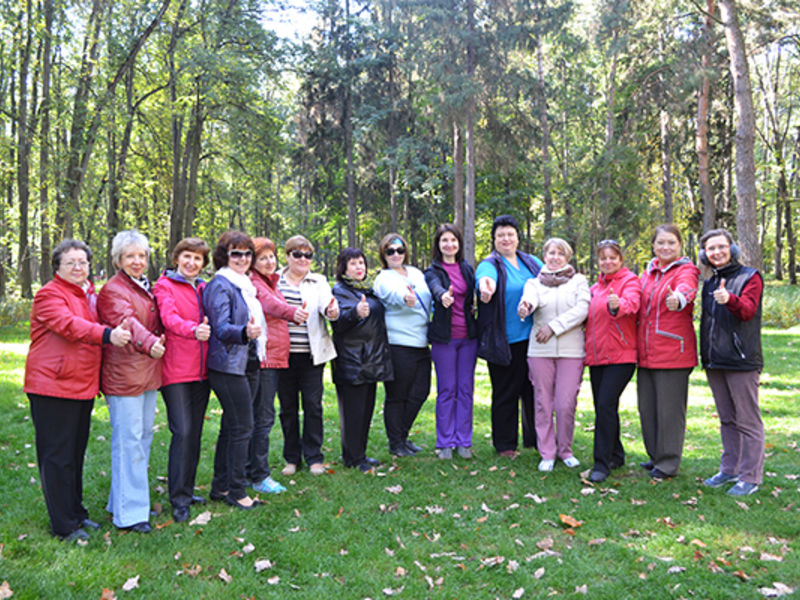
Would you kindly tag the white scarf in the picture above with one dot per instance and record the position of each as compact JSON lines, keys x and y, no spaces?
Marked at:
{"x":248,"y":290}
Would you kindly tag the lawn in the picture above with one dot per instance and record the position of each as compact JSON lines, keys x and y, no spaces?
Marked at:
{"x":422,"y":527}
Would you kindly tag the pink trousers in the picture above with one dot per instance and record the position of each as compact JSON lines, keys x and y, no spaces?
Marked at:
{"x":556,"y":382}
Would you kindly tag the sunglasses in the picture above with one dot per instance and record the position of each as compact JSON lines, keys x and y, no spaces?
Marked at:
{"x":390,"y":251}
{"x":240,"y":253}
{"x":298,"y":254}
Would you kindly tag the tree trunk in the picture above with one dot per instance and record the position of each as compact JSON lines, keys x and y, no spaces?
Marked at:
{"x":458,"y":176}
{"x":701,"y":140}
{"x":469,"y":200}
{"x":178,"y":199}
{"x":611,"y":91}
{"x":545,"y":144}
{"x":45,"y":271}
{"x":23,"y":158}
{"x":746,"y":214}
{"x":791,"y":246}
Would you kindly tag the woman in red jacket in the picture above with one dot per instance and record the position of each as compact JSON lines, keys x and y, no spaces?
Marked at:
{"x":130,"y":378}
{"x":179,"y":294}
{"x":667,"y":348}
{"x":610,"y":352}
{"x":64,"y":358}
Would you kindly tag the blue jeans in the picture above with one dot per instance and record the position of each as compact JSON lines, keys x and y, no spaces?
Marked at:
{"x":131,"y":435}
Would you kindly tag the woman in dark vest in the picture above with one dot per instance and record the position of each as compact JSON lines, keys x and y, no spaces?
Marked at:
{"x":730,"y":348}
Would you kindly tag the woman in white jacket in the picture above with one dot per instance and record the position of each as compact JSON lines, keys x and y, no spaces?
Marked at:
{"x":559,"y":300}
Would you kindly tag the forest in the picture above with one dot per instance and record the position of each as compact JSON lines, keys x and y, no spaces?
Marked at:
{"x":586,"y":119}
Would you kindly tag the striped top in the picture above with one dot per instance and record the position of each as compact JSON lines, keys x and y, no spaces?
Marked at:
{"x":298,"y":334}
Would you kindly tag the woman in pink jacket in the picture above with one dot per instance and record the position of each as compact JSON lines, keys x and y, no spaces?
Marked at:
{"x":667,"y":348}
{"x":179,"y":294}
{"x":610,"y":352}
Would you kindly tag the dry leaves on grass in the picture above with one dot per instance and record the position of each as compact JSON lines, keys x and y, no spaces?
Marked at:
{"x":570,"y":521}
{"x":132,"y":583}
{"x":536,"y":498}
{"x":106,"y":594}
{"x":492,"y":561}
{"x":262,"y":564}
{"x":778,"y":589}
{"x":765,"y":556}
{"x":6,"y":591}
{"x":394,"y":489}
{"x":202,"y":519}
{"x":223,"y":574}
{"x":518,"y":593}
{"x":393,"y":591}
{"x":676,"y":569}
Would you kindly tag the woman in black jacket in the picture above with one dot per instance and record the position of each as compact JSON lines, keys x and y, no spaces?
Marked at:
{"x":363,"y":356}
{"x":453,"y":337}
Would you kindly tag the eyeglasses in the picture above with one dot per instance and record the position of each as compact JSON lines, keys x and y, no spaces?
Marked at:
{"x":81,"y":264}
{"x":390,"y":251}
{"x":240,"y":253}
{"x":298,"y":254}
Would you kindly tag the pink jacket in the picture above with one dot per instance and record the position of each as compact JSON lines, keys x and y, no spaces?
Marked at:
{"x":181,"y":309}
{"x":666,"y":338}
{"x":611,"y":339}
{"x":277,"y":314}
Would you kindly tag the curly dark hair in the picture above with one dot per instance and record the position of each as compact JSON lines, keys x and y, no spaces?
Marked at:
{"x":345,"y":256}
{"x":227,"y":241}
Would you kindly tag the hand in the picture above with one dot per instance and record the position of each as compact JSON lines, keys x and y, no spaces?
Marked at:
{"x":672,"y":300}
{"x":121,"y":335}
{"x":362,"y":308}
{"x":721,"y":295}
{"x":253,"y":329}
{"x":203,"y":331}
{"x":613,"y":300}
{"x":544,"y":334}
{"x":487,"y":289}
{"x":300,"y":315}
{"x":410,"y":298}
{"x":447,"y":298}
{"x":159,"y":348}
{"x":524,"y":309}
{"x":332,"y":310}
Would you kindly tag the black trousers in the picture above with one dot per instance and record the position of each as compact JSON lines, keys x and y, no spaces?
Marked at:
{"x":266,"y":385}
{"x":356,"y":405}
{"x":236,"y":427}
{"x":407,"y":393}
{"x":608,"y":383}
{"x":186,"y":408}
{"x":302,"y":377}
{"x":62,"y":432}
{"x":510,"y":387}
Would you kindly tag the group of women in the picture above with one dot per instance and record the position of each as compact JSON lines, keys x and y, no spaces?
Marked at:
{"x":254,"y":331}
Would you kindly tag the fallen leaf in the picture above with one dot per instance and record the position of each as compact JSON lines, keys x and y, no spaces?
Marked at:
{"x":570,"y":520}
{"x":262,"y":564}
{"x":538,"y":573}
{"x":770,"y":557}
{"x":536,"y":498}
{"x":202,"y":519}
{"x":741,"y":575}
{"x":512,"y":566}
{"x":132,"y":583}
{"x":742,"y":505}
{"x":492,"y":561}
{"x":714,"y":567}
{"x":481,"y":519}
{"x":545,"y":544}
{"x":777,"y":589}
{"x":388,"y":551}
{"x":393,"y":592}
{"x":518,"y":593}
{"x":581,"y":589}
{"x":698,"y":543}
{"x":676,"y":569}
{"x":596,"y":541}
{"x":394,"y":489}
{"x":636,"y":502}
{"x":106,"y":594}
{"x":587,"y":491}
{"x":400,"y":572}
{"x":223,"y":574}
{"x":434,"y":510}
{"x":248,"y":548}
{"x":274,"y":580}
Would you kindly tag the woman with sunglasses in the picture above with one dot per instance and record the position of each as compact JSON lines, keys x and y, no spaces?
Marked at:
{"x":310,"y":347}
{"x":610,"y":352}
{"x":236,"y":348}
{"x":407,"y":300}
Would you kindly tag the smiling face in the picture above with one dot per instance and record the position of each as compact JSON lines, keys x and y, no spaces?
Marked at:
{"x":395,"y":255}
{"x":190,"y":264}
{"x":239,"y":259}
{"x":299,"y":261}
{"x":609,"y":261}
{"x":133,"y":261}
{"x":356,"y":269}
{"x":555,"y":258}
{"x":718,"y":251}
{"x":667,"y":248}
{"x":448,"y":245}
{"x":74,"y":266}
{"x":506,"y":240}
{"x":266,"y":263}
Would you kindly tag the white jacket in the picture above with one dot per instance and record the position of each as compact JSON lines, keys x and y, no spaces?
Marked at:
{"x":316,"y":293}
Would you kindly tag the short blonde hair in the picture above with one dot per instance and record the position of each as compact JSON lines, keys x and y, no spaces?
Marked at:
{"x":559,"y":243}
{"x":297,"y":242}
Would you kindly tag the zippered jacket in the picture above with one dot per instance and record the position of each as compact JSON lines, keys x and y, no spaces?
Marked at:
{"x":439,"y":329}
{"x":277,"y":313}
{"x":611,"y":338}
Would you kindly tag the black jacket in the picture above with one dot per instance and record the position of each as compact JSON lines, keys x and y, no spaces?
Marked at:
{"x":362,"y":347}
{"x":229,"y":348}
{"x":439,"y":329}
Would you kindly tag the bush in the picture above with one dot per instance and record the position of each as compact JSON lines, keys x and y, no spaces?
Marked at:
{"x":14,"y":311}
{"x":781,"y":307}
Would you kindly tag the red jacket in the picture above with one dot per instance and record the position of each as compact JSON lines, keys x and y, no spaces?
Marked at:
{"x":666,"y":338}
{"x":130,"y":370}
{"x":180,"y":307}
{"x":611,"y":339}
{"x":277,"y":313}
{"x":66,"y":342}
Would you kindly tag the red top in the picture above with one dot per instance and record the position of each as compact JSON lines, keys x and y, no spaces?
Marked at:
{"x":66,"y":342}
{"x":277,"y":313}
{"x":745,"y":307}
{"x":611,"y":338}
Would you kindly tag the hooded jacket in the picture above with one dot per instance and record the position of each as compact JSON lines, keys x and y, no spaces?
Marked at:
{"x":611,"y":338}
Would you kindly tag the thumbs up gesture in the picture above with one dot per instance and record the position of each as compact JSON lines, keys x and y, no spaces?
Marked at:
{"x":121,"y":334}
{"x":613,"y":300}
{"x":301,"y":314}
{"x":487,"y":288}
{"x":671,"y":300}
{"x":447,"y":297}
{"x":332,"y":310}
{"x":203,"y":331}
{"x":253,"y":328}
{"x":362,"y":308}
{"x":721,"y":295}
{"x":159,"y":348}
{"x":410,"y":297}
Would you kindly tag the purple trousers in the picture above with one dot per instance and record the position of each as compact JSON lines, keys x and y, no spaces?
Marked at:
{"x":455,"y":378}
{"x":556,"y":382}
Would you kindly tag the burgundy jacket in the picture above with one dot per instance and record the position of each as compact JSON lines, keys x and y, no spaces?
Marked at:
{"x":277,"y":313}
{"x":130,"y":370}
{"x":180,"y":307}
{"x":611,"y":338}
{"x":66,"y":342}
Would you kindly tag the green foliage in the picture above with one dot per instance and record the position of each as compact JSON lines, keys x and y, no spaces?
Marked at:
{"x":781,"y":306}
{"x":15,"y":312}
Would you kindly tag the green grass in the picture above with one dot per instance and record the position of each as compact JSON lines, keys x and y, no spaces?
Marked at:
{"x":344,"y":535}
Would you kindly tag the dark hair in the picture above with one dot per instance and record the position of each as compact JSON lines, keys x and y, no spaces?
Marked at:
{"x":504,"y":221}
{"x":190,"y":244}
{"x":610,"y":245}
{"x":63,"y":247}
{"x":345,"y":256}
{"x":440,"y":231}
{"x":388,"y":240}
{"x":667,"y":228}
{"x":715,"y":232}
{"x":228,"y":240}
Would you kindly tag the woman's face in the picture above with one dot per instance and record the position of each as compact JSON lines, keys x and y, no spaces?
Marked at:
{"x":666,"y":247}
{"x":299,"y":261}
{"x":266,"y":263}
{"x":555,"y":258}
{"x":395,"y":255}
{"x":506,"y":240}
{"x":74,"y":266}
{"x":356,"y":269}
{"x":718,"y":251}
{"x":609,"y":261}
{"x":190,"y":264}
{"x":239,"y":259}
{"x":133,"y":261}
{"x":448,"y":245}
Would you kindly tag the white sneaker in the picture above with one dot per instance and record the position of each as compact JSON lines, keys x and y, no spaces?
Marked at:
{"x":317,"y":469}
{"x":289,"y":470}
{"x":571,"y":462}
{"x":546,"y":465}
